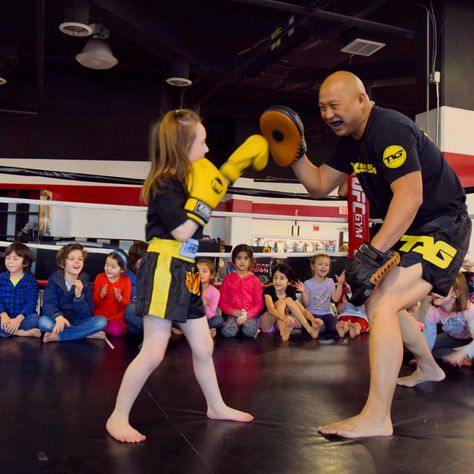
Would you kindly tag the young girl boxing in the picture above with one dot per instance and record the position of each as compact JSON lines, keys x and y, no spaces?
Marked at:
{"x":181,"y":190}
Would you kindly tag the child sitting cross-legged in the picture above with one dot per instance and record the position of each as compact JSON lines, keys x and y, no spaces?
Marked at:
{"x":18,"y":294}
{"x":283,"y":310}
{"x":67,"y":312}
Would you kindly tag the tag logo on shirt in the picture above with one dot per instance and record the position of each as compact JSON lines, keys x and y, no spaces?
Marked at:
{"x":364,"y":168}
{"x":394,"y":156}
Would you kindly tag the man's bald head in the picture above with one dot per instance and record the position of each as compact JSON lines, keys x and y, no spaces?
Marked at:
{"x":344,"y":80}
{"x":344,"y":104}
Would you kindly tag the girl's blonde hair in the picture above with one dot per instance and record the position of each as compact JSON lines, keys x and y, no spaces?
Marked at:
{"x":462,"y":300}
{"x":320,"y":255}
{"x":168,"y":147}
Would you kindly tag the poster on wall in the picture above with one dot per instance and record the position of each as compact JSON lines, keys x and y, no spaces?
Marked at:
{"x":287,"y":245}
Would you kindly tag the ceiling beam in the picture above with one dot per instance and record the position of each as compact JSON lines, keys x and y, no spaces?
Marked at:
{"x":331,"y":16}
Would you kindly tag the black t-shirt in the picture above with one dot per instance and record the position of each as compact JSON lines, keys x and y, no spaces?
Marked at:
{"x":270,"y":290}
{"x":166,"y":211}
{"x":392,"y":146}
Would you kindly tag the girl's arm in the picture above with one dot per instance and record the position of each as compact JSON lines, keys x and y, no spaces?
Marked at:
{"x":459,"y":354}
{"x":430,"y":330}
{"x":98,"y":284}
{"x":257,"y":299}
{"x":270,"y":305}
{"x":224,"y":305}
{"x":337,"y":292}
{"x":126,"y":292}
{"x":185,"y":231}
{"x":213,"y":297}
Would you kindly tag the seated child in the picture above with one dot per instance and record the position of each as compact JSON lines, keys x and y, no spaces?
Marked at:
{"x":317,"y":292}
{"x":210,"y":295}
{"x":456,"y":315}
{"x":112,"y":290}
{"x":351,"y":319}
{"x":283,"y":310}
{"x":135,"y":254}
{"x":241,"y":296}
{"x":67,"y":312}
{"x":18,"y":294}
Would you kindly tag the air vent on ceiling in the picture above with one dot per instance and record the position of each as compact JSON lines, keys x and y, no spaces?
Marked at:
{"x":72,"y":28}
{"x":362,"y":47}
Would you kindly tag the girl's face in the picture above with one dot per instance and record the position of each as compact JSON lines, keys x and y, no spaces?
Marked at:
{"x":137,"y":264}
{"x":198,"y":147}
{"x":204,"y":273}
{"x":242,"y":262}
{"x":74,"y":263}
{"x":321,"y":266}
{"x":280,"y":281}
{"x":446,"y":302}
{"x":112,"y":269}
{"x":14,"y":263}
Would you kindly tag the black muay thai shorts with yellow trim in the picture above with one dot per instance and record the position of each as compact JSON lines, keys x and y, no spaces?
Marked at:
{"x":440,"y":246}
{"x":168,"y":283}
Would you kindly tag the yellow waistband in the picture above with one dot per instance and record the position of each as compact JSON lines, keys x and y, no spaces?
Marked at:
{"x":168,"y":247}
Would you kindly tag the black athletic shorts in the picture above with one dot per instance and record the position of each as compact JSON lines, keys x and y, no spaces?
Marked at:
{"x":440,"y":246}
{"x":168,"y":287}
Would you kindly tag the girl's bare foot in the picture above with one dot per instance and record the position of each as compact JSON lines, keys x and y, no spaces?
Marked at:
{"x":121,"y":430}
{"x":227,"y":413}
{"x":352,"y":330}
{"x":33,"y":332}
{"x":340,"y":328}
{"x":314,"y":332}
{"x":359,"y":426}
{"x":285,"y":332}
{"x":50,"y":337}
{"x":213,"y":332}
{"x":97,"y":335}
{"x":176,"y":331}
{"x":434,"y":374}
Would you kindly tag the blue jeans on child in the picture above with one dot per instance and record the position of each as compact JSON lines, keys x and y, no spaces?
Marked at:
{"x":30,"y":322}
{"x":216,"y":322}
{"x":133,"y":322}
{"x":231,"y":328}
{"x":85,"y":328}
{"x":329,"y":326}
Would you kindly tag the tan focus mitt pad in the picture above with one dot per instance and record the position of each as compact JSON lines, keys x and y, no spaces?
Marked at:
{"x":284,"y":132}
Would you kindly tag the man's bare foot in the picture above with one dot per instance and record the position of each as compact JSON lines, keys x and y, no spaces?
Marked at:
{"x":33,"y":332}
{"x":97,"y":335}
{"x":121,"y":430}
{"x":213,"y":332}
{"x":50,"y":337}
{"x":436,"y":374}
{"x":340,"y":329}
{"x":352,"y":330}
{"x":227,"y":413}
{"x":359,"y":426}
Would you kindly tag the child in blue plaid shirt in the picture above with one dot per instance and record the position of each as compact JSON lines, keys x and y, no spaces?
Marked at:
{"x":18,"y":294}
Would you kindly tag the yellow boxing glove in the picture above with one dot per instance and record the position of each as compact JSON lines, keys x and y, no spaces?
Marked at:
{"x":253,"y":152}
{"x":206,"y":187}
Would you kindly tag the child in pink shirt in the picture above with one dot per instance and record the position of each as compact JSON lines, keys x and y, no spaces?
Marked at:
{"x":241,"y":296}
{"x":210,"y":295}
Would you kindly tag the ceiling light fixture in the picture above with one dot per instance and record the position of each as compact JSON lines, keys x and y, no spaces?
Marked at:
{"x":76,"y":19}
{"x":96,"y":53}
{"x":362,"y":47}
{"x":179,"y":74}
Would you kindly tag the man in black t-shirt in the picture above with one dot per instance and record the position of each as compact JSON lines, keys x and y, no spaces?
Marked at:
{"x":416,"y":193}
